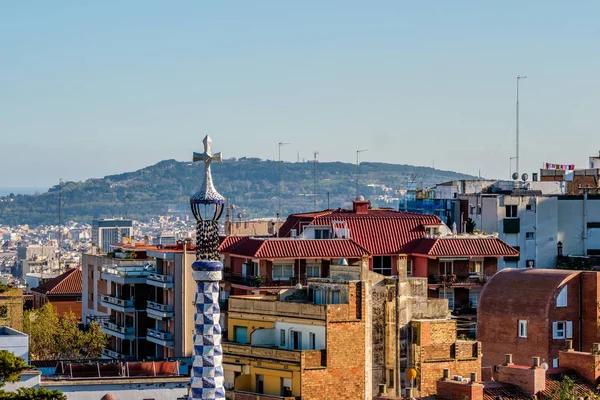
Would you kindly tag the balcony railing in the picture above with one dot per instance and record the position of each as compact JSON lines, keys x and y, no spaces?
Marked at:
{"x":160,"y":307}
{"x":116,"y":355}
{"x":454,"y":280}
{"x":125,"y":330}
{"x":261,"y":281}
{"x":258,"y":306}
{"x":159,"y":335}
{"x":153,"y":276}
{"x":117,"y":301}
{"x":237,"y":349}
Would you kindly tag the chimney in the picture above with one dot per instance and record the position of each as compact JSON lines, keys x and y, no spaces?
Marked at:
{"x":473,"y":377}
{"x":569,"y":345}
{"x":146,"y":240}
{"x":360,"y":205}
{"x":530,"y":380}
{"x":446,"y":374}
{"x":596,"y":348}
{"x":536,"y":362}
{"x":508,"y":360}
{"x":534,"y":176}
{"x":382,"y":388}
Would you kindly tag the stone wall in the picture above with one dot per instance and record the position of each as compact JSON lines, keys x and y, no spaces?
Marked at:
{"x":12,"y":299}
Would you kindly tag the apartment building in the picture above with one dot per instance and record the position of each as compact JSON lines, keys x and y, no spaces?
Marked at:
{"x":107,"y":231}
{"x":143,"y":296}
{"x":533,"y":313}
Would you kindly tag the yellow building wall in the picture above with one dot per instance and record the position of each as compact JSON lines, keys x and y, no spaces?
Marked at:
{"x":272,"y":372}
{"x":251,"y":325}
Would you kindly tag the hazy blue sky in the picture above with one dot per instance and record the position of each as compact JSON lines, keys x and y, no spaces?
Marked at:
{"x":90,"y":88}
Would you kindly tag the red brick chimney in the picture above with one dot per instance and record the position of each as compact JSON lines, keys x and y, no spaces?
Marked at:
{"x":585,"y":364}
{"x":531,"y":380}
{"x":360,"y":205}
{"x":457,"y":390}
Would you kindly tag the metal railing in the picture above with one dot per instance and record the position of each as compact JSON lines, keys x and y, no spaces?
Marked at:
{"x":160,"y":335}
{"x":118,"y":328}
{"x":153,"y":276}
{"x":117,"y":301}
{"x":159,"y":307}
{"x":134,"y":271}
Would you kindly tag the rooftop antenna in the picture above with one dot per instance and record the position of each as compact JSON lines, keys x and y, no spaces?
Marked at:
{"x":315,"y":154}
{"x":358,"y":166}
{"x":519,"y":77}
{"x":281,"y":144}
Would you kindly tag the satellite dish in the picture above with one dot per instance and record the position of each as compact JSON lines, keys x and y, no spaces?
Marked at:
{"x":240,"y":215}
{"x":515,"y":176}
{"x":544,"y":366}
{"x":524,"y":177}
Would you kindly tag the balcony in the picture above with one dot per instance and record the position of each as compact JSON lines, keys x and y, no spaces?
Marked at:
{"x":159,"y":311}
{"x":458,"y":281}
{"x":160,"y":337}
{"x":122,"y":332}
{"x":161,"y":281}
{"x":274,"y":307}
{"x":271,"y":353}
{"x":116,"y":303}
{"x":116,"y":355}
{"x":241,"y":395}
{"x":261,"y":281}
{"x":127,"y":272}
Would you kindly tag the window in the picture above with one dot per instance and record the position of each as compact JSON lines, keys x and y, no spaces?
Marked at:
{"x":391,"y":377}
{"x":322,"y":233}
{"x":522,"y":328}
{"x":313,"y":271}
{"x":312,"y":339}
{"x":449,"y":295}
{"x":282,"y":337}
{"x":446,"y":267}
{"x":260,"y":384}
{"x":474,"y":298}
{"x":561,"y":300}
{"x":528,"y":207}
{"x":475,"y":267}
{"x":511,"y":211}
{"x":382,"y":265}
{"x":529,"y":235}
{"x":562,"y":330}
{"x":409,"y":268}
{"x":241,"y":334}
{"x":90,"y":272}
{"x":286,"y":387}
{"x":318,"y":297}
{"x":334,"y":297}
{"x":555,"y":363}
{"x":296,"y":340}
{"x":283,"y":272}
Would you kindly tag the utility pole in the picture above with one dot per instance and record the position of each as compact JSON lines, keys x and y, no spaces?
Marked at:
{"x":279,"y":177}
{"x":358,"y":166}
{"x":59,"y":219}
{"x":519,"y":77}
{"x":315,"y":154}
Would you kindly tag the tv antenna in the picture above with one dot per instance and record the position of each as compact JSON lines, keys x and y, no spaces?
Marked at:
{"x":315,"y":154}
{"x":519,"y":77}
{"x":358,"y":166}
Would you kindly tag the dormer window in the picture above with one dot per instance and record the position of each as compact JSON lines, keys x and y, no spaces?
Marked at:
{"x":322,"y":233}
{"x":432,"y":230}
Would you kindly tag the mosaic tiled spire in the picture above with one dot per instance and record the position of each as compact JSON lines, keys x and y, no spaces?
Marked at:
{"x":207,"y":207}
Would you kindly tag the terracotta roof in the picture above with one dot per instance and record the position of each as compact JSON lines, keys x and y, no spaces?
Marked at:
{"x":503,"y":293}
{"x":465,"y":247}
{"x":298,"y":248}
{"x":495,"y":390}
{"x":229,"y":243}
{"x":379,"y":231}
{"x":581,"y":387}
{"x":68,"y":283}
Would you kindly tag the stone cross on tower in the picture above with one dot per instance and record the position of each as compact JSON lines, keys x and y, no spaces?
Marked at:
{"x":208,"y":189}
{"x":207,"y":205}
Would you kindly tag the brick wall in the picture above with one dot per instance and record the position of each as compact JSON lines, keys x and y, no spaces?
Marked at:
{"x":569,"y":313}
{"x":586,"y":364}
{"x":344,"y":375}
{"x":531,"y":380}
{"x":590,"y":311}
{"x":13,"y":300}
{"x":453,"y":390}
{"x":431,"y":372}
{"x":490,"y":266}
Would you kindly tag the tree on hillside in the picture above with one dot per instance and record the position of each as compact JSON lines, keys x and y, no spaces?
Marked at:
{"x":11,"y":367}
{"x":35,"y":393}
{"x":58,"y":337}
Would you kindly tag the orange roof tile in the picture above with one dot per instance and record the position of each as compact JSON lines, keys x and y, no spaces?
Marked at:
{"x":465,"y":247}
{"x":298,"y":248}
{"x":68,"y":283}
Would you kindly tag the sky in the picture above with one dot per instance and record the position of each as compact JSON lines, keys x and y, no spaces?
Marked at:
{"x":92,"y":88}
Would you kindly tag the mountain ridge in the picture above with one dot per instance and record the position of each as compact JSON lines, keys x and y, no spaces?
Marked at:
{"x":251,"y":184}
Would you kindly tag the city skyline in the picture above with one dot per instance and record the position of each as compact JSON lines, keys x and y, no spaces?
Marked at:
{"x":415,"y":84}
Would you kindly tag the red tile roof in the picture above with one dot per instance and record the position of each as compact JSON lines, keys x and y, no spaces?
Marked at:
{"x":581,"y":387}
{"x":380,"y":231}
{"x":229,"y":243}
{"x":464,"y":247}
{"x":499,"y":390}
{"x":297,"y":248}
{"x":68,"y":283}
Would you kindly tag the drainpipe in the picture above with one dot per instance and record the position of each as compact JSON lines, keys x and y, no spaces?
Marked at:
{"x":580,"y":311}
{"x":584,"y":228}
{"x":397,"y":318}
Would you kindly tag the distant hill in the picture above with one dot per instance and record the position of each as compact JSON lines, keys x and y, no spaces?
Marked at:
{"x":248,"y":183}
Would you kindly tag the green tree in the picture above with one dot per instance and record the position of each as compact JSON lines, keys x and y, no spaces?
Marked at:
{"x":58,"y":337}
{"x":11,"y":367}
{"x":35,"y":393}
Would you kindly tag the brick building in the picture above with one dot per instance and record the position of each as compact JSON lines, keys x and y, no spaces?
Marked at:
{"x":531,"y":313}
{"x":64,"y":292}
{"x":11,"y":307}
